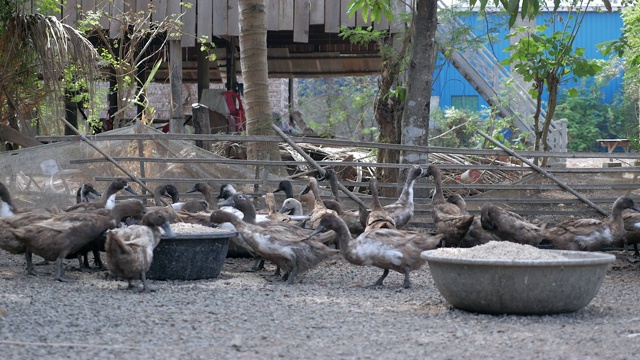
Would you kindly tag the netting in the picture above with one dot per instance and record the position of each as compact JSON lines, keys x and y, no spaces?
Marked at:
{"x":49,"y":175}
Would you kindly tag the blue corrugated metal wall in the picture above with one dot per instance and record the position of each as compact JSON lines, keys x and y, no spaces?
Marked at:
{"x":597,"y":27}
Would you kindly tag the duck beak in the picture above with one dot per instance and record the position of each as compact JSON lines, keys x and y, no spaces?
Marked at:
{"x":192,"y":190}
{"x":306,"y":190}
{"x":168,"y":232}
{"x":228,"y":202}
{"x":284,"y":210}
{"x":129,"y":189}
{"x":94,"y":192}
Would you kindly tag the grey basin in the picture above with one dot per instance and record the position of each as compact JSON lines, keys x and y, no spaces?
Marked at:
{"x":190,"y":257}
{"x":527,"y":287}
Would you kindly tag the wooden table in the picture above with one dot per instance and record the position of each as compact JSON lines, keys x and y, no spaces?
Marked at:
{"x":611,"y":144}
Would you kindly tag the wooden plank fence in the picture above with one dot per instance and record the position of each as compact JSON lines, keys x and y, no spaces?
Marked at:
{"x":523,"y":195}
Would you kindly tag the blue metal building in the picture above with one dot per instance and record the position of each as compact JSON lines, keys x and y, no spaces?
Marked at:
{"x":451,"y":89}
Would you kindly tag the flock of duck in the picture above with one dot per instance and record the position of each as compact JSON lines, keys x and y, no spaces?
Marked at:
{"x":302,"y":233}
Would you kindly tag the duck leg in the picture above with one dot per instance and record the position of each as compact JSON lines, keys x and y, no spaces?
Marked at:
{"x":277,"y":273}
{"x":380,"y":280}
{"x":407,"y":282}
{"x":97,"y":261}
{"x":292,"y":274}
{"x":31,"y":270}
{"x":258,"y":265}
{"x":60,"y":272}
{"x":145,"y":285}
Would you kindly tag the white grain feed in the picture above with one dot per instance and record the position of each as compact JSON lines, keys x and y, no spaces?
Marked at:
{"x":500,"y":250}
{"x":191,"y":229}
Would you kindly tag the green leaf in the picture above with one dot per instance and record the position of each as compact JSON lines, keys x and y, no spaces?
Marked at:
{"x":572,"y":92}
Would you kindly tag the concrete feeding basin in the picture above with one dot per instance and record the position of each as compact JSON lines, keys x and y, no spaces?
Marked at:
{"x":190,"y":256}
{"x":525,"y":287}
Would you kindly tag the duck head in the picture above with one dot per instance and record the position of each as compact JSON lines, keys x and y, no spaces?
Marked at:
{"x":285,"y":185}
{"x":86,"y":192}
{"x":415,"y":172}
{"x":161,"y":219}
{"x":623,"y":203}
{"x":226,"y":190}
{"x":172,"y":192}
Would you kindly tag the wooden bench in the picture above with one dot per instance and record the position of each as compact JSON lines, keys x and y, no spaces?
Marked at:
{"x":611,"y":144}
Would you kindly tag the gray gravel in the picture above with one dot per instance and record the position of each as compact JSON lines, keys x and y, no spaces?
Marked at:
{"x":243,"y":315}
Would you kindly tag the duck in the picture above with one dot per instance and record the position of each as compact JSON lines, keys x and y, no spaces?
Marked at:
{"x":378,"y":217}
{"x":293,"y":208}
{"x":294,"y":253}
{"x":509,"y":226}
{"x":387,"y":249}
{"x":172,"y":192}
{"x":351,"y":217}
{"x":591,"y":234}
{"x":66,"y":233}
{"x":240,"y":202}
{"x":86,"y":192}
{"x":130,"y":249}
{"x":6,"y":204}
{"x":128,"y":210}
{"x":226,"y":191}
{"x":319,"y":209}
{"x":450,"y":220}
{"x":286,"y":187}
{"x":274,"y":214}
{"x":402,"y":209}
{"x":631,"y":233}
{"x":107,"y":200}
{"x":476,"y":235}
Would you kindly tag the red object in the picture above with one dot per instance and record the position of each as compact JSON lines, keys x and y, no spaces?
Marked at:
{"x":237,"y":120}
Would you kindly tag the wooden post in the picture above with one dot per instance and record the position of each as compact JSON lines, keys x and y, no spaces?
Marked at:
{"x":203,"y":72}
{"x":201,"y":124}
{"x":176,"y":124}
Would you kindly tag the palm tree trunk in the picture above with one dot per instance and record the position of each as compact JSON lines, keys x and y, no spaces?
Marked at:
{"x":253,"y":62}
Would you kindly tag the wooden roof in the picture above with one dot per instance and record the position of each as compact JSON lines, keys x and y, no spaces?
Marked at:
{"x":302,"y":36}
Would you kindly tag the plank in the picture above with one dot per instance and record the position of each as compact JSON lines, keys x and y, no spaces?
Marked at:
{"x":345,"y":19}
{"x":159,"y":10}
{"x":70,"y":12}
{"x":104,"y":7}
{"x":220,"y":17}
{"x":189,"y":27}
{"x":205,"y":22}
{"x":116,"y":10}
{"x":301,"y":21}
{"x":285,"y":18}
{"x":331,"y":16}
{"x":174,"y":7}
{"x":317,"y":13}
{"x":273,"y":13}
{"x":233,"y":25}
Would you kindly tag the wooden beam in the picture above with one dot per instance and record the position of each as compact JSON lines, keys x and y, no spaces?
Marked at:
{"x":233,"y":25}
{"x":273,"y":12}
{"x":189,"y":27}
{"x":301,"y":21}
{"x":176,"y":124}
{"x":286,"y":15}
{"x":12,"y":135}
{"x":220,"y":17}
{"x":345,"y":19}
{"x":317,"y":12}
{"x":331,"y":16}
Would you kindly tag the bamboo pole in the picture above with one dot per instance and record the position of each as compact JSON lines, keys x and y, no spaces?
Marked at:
{"x":108,"y":157}
{"x":544,"y":172}
{"x":284,"y":136}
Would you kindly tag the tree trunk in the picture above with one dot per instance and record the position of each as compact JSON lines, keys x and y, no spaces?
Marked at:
{"x":552,"y":88}
{"x":415,"y":120}
{"x":253,"y":62}
{"x":388,"y":114}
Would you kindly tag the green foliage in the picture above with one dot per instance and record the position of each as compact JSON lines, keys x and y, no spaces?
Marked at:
{"x":339,"y":106}
{"x":590,"y":119}
{"x":372,"y":10}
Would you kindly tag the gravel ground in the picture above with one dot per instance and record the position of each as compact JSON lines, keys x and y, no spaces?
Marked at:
{"x":243,"y":315}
